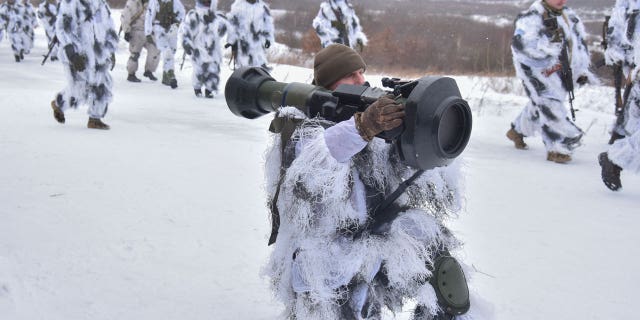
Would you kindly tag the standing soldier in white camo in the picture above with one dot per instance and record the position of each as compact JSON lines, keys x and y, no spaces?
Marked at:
{"x":12,"y":20}
{"x":202,"y":34}
{"x":47,"y":12}
{"x":544,"y":34}
{"x":337,"y":22}
{"x":88,"y":43}
{"x":619,"y":55}
{"x":31,"y":23}
{"x":250,"y":33}
{"x":161,"y":25}
{"x":132,"y":23}
{"x":624,"y":153}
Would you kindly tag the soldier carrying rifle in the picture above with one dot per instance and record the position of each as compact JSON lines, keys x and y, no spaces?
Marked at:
{"x":549,"y":55}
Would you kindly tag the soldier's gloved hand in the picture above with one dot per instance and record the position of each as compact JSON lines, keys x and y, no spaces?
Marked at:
{"x":187,"y":49}
{"x":127,"y":36}
{"x":113,"y":61}
{"x":267,"y":44}
{"x":77,"y":61}
{"x":384,"y":114}
{"x":150,"y":40}
{"x":208,"y":18}
{"x":234,"y":46}
{"x":582,"y":80}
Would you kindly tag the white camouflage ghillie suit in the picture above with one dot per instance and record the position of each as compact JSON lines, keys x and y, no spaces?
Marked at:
{"x":132,"y":21}
{"x":47,"y":12}
{"x":619,"y":52}
{"x":337,"y":22}
{"x":31,"y":23}
{"x":162,"y":22}
{"x":88,"y":42}
{"x":326,"y":262}
{"x":202,"y":35}
{"x":624,"y":153}
{"x":12,"y":20}
{"x":250,"y":32}
{"x":536,"y":52}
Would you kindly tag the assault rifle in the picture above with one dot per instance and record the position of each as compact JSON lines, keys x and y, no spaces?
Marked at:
{"x":184,"y":57}
{"x":52,"y":44}
{"x":566,"y":74}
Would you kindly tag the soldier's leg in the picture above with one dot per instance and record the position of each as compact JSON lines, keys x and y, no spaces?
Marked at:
{"x":100,"y":95}
{"x":135,"y":47}
{"x":16,"y":45}
{"x":69,"y":97}
{"x":559,"y":134}
{"x":153,"y":58}
{"x":198,"y":76}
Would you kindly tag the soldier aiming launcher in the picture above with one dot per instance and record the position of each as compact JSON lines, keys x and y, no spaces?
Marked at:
{"x":436,"y":128}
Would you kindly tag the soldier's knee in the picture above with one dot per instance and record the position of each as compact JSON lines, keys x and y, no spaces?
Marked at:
{"x":134,"y":56}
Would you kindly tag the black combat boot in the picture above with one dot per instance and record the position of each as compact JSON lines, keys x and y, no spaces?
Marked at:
{"x":150,"y":75}
{"x":610,"y":172}
{"x":17,"y":58}
{"x":95,"y":123}
{"x":208,"y":94}
{"x":615,"y":136}
{"x":198,"y":92}
{"x":132,"y":78}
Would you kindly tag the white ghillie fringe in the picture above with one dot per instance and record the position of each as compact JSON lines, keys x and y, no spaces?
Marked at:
{"x":312,"y":261}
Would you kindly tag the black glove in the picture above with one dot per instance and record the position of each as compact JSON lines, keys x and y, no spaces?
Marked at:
{"x":113,"y":61}
{"x":150,"y":40}
{"x":267,"y":44}
{"x":208,"y":18}
{"x":187,"y":49}
{"x":234,"y":46}
{"x":384,"y":114}
{"x":77,"y":61}
{"x":582,"y":80}
{"x":127,"y":36}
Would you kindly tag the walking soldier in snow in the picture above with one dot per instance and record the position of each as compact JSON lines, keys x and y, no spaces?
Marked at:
{"x":619,"y":55}
{"x":12,"y":20}
{"x":624,"y":152}
{"x":332,"y":258}
{"x":31,"y":22}
{"x":88,"y":42}
{"x":250,"y":33}
{"x":161,"y":25}
{"x":132,"y":23}
{"x":337,"y":22}
{"x":202,"y":34}
{"x":550,"y":55}
{"x":47,"y":12}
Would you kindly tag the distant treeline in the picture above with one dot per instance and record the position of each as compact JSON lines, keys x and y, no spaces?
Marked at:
{"x":414,"y":38}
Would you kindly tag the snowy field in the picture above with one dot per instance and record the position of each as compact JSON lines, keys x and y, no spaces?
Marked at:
{"x":163,"y":216}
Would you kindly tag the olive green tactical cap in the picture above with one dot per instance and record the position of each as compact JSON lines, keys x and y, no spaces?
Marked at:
{"x":333,"y":63}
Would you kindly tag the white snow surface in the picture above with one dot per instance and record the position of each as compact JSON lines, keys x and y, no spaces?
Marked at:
{"x":164,"y":216}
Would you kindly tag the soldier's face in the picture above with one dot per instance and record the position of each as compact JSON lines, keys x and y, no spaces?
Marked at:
{"x":556,"y":4}
{"x":355,"y":78}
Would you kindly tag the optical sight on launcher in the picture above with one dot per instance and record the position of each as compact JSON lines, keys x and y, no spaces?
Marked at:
{"x":435,"y":130}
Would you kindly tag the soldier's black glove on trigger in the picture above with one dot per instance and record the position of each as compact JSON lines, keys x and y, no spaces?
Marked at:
{"x":267,"y":44}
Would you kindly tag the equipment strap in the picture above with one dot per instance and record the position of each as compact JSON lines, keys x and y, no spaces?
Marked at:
{"x":285,"y":127}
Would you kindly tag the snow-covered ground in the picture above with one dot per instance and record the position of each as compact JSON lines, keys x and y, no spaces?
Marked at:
{"x":163,"y":216}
